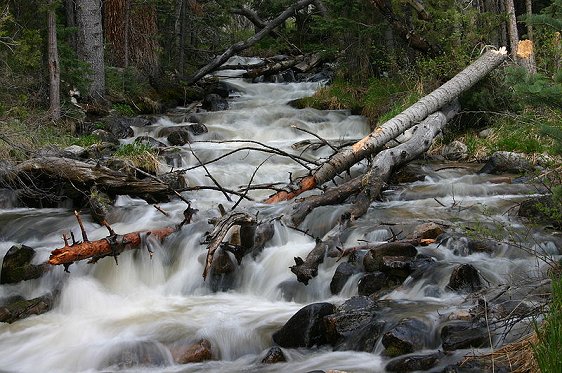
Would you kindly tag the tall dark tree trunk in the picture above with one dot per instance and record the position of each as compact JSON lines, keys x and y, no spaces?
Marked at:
{"x":512,"y":28}
{"x":54,"y":67}
{"x":70,"y":9}
{"x":90,"y":44}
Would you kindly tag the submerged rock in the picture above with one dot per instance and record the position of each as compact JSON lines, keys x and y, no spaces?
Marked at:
{"x":408,"y":336}
{"x":179,"y":137}
{"x":19,"y":308}
{"x":343,"y":272}
{"x":17,"y":266}
{"x":137,"y":354}
{"x":465,"y":278}
{"x":306,"y":328}
{"x":274,"y":355}
{"x":193,"y":352}
{"x":414,"y":362}
{"x":214,"y":102}
{"x":463,"y":334}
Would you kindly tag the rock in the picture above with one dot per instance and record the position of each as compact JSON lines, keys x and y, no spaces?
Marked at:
{"x":175,"y":180}
{"x":463,"y":334}
{"x":408,"y":336}
{"x":306,"y":328}
{"x":414,"y":362}
{"x":121,"y":127}
{"x":372,"y":261}
{"x":274,"y":355}
{"x":20,"y":308}
{"x":455,"y":151}
{"x":371,"y":283}
{"x":137,"y":354}
{"x":105,"y":136}
{"x":354,"y":325}
{"x":221,"y":274}
{"x":465,"y":279}
{"x":344,"y":271}
{"x":150,"y":141}
{"x":101,"y":150}
{"x":543,"y":210}
{"x":17,"y":266}
{"x":100,"y":203}
{"x":179,"y":137}
{"x":485,"y":133}
{"x":197,"y":128}
{"x":74,"y":152}
{"x":264,"y":232}
{"x":506,"y":162}
{"x":397,"y":268}
{"x":214,"y":102}
{"x":172,"y":156}
{"x":192,"y":353}
{"x":428,"y":230}
{"x":457,"y":244}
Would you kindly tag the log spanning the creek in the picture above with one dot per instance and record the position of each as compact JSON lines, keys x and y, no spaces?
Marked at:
{"x":374,"y":142}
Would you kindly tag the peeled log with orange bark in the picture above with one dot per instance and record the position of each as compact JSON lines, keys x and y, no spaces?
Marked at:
{"x":112,"y":245}
{"x":372,"y":143}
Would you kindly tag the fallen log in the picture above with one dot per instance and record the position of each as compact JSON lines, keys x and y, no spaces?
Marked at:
{"x":369,"y":186}
{"x":273,"y":68}
{"x":112,"y":245}
{"x":347,"y":157}
{"x":235,"y":48}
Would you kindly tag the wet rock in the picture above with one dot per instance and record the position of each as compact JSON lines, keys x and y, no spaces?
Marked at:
{"x":354,"y":325}
{"x":104,"y":149}
{"x":371,"y":283}
{"x":408,"y":336}
{"x":274,"y":355}
{"x":397,"y":268}
{"x":455,"y":151}
{"x":19,"y":308}
{"x":289,"y":289}
{"x":343,"y":272}
{"x":100,"y":203}
{"x":150,"y":141}
{"x":192,"y":353}
{"x":428,"y":230}
{"x":105,"y":136}
{"x":17,"y":266}
{"x":264,"y":233}
{"x":121,"y":127}
{"x":543,"y":210}
{"x":457,"y":244}
{"x":75,"y":152}
{"x":463,"y":334}
{"x":172,"y":156}
{"x":197,"y":129}
{"x":306,"y":328}
{"x":214,"y":102}
{"x":179,"y":137}
{"x":175,"y":180}
{"x":408,"y":174}
{"x":506,"y":162}
{"x":372,"y":261}
{"x":414,"y":362}
{"x":465,"y":278}
{"x":221,"y":274}
{"x":137,"y":354}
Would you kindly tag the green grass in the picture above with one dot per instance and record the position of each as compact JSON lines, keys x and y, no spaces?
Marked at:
{"x":140,"y":155}
{"x":547,"y":350}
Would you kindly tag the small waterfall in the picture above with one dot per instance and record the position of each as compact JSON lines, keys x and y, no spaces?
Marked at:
{"x":148,"y":303}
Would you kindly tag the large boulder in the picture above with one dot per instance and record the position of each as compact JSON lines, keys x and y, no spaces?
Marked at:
{"x":214,"y":102}
{"x":305,"y":328}
{"x":503,"y":161}
{"x":407,"y":336}
{"x":178,"y":137}
{"x":354,"y":325}
{"x":371,"y":283}
{"x":465,"y":279}
{"x":17,"y":266}
{"x":463,"y":334}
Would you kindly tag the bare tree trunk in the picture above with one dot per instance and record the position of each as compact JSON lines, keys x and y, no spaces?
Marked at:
{"x":54,"y":67}
{"x":219,"y":60}
{"x":69,"y":6}
{"x":512,"y":28}
{"x":90,"y":43}
{"x":347,"y":157}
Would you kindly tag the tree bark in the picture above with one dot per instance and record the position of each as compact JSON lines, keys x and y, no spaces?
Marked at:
{"x":54,"y":67}
{"x":219,"y":60}
{"x":347,"y":157}
{"x":273,"y":68}
{"x":112,"y":245}
{"x":90,"y":44}
{"x":512,"y":28}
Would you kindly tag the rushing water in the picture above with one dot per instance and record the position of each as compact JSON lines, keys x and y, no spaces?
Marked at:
{"x":164,"y":299}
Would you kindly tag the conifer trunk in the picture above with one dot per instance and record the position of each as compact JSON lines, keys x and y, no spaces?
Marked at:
{"x":54,"y":67}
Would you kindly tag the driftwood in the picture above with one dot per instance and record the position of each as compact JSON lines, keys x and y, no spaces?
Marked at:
{"x":273,"y":68}
{"x":247,"y":225}
{"x":240,"y":46}
{"x":347,"y":157}
{"x":77,"y":174}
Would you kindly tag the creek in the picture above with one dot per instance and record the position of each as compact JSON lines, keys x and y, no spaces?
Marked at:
{"x":159,"y":300}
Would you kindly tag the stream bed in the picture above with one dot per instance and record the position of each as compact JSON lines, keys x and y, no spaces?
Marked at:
{"x":160,"y":302}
